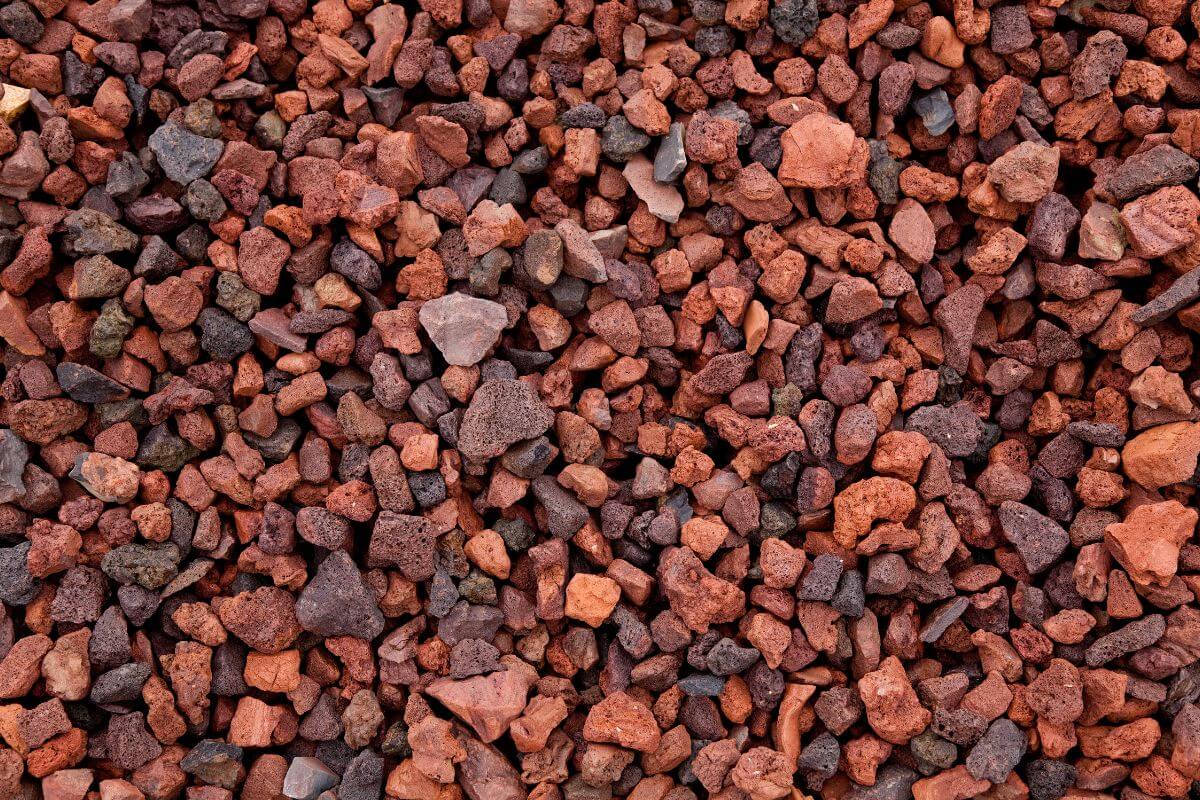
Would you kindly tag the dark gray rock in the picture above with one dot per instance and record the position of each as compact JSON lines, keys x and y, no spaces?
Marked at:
{"x":336,"y":602}
{"x":999,"y":751}
{"x":183,"y":155}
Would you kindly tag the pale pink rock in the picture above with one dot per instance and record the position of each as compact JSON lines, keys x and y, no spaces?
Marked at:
{"x":663,"y":199}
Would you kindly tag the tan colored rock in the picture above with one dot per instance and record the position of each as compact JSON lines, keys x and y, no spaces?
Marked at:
{"x":703,"y":535}
{"x":997,"y":254}
{"x":893,"y":710}
{"x":1157,"y":388}
{"x":1101,"y":234}
{"x":65,"y":668}
{"x":662,"y":199}
{"x":531,"y":17}
{"x":1162,"y":455}
{"x":463,"y":328}
{"x":111,"y":479}
{"x":912,"y":231}
{"x":541,"y":717}
{"x":1026,"y":173}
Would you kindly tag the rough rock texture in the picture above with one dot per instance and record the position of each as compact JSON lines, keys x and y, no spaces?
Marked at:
{"x":545,"y":400}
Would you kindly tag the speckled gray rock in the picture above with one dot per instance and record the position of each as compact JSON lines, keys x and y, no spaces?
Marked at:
{"x":956,"y":430}
{"x":822,"y":579}
{"x":14,"y":455}
{"x":363,"y":777}
{"x":727,"y":658}
{"x":999,"y":751}
{"x":17,"y":586}
{"x":620,"y":141}
{"x":1134,"y":636}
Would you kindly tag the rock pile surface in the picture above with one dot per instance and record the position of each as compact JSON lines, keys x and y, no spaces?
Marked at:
{"x":524,"y":400}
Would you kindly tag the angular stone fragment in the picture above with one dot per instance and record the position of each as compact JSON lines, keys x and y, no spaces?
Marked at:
{"x":1026,"y":173}
{"x":1161,"y":222}
{"x":957,"y":316}
{"x":819,"y":152}
{"x":337,"y":602}
{"x":622,"y":720}
{"x":1147,"y":542}
{"x":501,"y":413}
{"x":581,"y":258}
{"x":1099,"y":62}
{"x":14,"y":454}
{"x":1184,"y":290}
{"x":995,"y":756}
{"x":307,"y":778}
{"x":111,"y":479}
{"x":1162,"y":455}
{"x":486,"y":774}
{"x":699,"y":598}
{"x":1161,"y":165}
{"x":1134,"y":636}
{"x":463,"y":328}
{"x":488,"y":703}
{"x":912,"y":231}
{"x":1039,"y":539}
{"x":893,"y":710}
{"x":1101,"y":234}
{"x":404,"y":541}
{"x":662,"y":199}
{"x":670,"y":159}
{"x":183,"y":155}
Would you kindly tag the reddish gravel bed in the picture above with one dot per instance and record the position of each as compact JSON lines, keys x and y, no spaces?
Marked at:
{"x":515,"y":400}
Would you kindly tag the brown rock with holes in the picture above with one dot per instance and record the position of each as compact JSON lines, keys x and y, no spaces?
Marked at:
{"x":893,"y":710}
{"x":621,"y":720}
{"x":819,"y":152}
{"x":488,"y":703}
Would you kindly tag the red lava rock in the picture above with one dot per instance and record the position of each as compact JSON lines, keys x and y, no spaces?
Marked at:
{"x":539,"y":400}
{"x":487,"y":703}
{"x":622,"y":720}
{"x":893,"y":710}
{"x":1147,"y":542}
